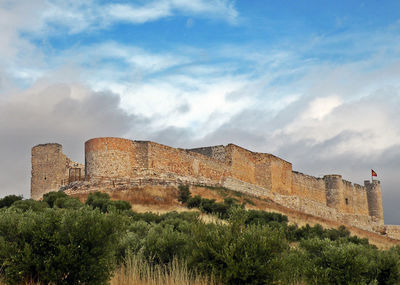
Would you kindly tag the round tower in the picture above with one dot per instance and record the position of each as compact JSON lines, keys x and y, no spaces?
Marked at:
{"x":334,"y":191}
{"x":374,"y":197}
{"x":109,"y":158}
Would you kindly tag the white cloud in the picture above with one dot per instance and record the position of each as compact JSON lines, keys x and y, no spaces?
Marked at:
{"x":139,"y":14}
{"x":78,"y":16}
{"x":320,"y":107}
{"x":160,"y":98}
{"x":154,"y":10}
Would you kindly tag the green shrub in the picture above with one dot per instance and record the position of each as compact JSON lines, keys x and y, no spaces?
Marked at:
{"x":237,"y":255}
{"x":338,"y":262}
{"x":294,"y":233}
{"x":7,"y":201}
{"x":98,"y":200}
{"x":184,"y":193}
{"x":33,"y":205}
{"x":207,"y":205}
{"x":68,"y":203}
{"x":163,"y":243}
{"x":230,"y":201}
{"x":132,"y":241}
{"x":194,"y":202}
{"x":264,"y":218}
{"x":221,"y":210}
{"x":119,"y":205}
{"x":389,"y":266}
{"x":58,"y":246}
{"x":101,"y":201}
{"x":61,"y":200}
{"x":51,"y":197}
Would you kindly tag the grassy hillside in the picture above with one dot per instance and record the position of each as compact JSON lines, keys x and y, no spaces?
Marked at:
{"x":162,"y":199}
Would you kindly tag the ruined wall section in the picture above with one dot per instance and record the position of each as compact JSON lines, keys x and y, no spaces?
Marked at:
{"x":74,"y":171}
{"x":349,"y":199}
{"x":141,"y":159}
{"x":308,"y":187}
{"x":281,"y":176}
{"x":393,"y":231}
{"x":241,"y":163}
{"x":355,"y":199}
{"x":262,"y":171}
{"x":217,"y":152}
{"x":51,"y":169}
{"x":163,"y":158}
{"x":360,"y":201}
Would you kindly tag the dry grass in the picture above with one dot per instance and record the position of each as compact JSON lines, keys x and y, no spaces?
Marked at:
{"x":137,"y":271}
{"x":26,"y":283}
{"x":144,"y":198}
{"x":140,"y":272}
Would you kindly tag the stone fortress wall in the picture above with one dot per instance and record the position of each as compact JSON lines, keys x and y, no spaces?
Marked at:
{"x":52,"y":169}
{"x":115,"y":160}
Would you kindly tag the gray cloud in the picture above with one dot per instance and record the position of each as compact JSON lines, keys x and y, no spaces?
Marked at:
{"x":52,"y":114}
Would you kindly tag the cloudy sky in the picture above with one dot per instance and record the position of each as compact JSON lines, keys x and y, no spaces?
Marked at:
{"x":314,"y":82}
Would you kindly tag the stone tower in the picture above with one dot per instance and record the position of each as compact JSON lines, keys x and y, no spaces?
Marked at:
{"x":48,"y":169}
{"x":109,"y":158}
{"x":52,"y":169}
{"x":374,"y":196}
{"x":334,"y":191}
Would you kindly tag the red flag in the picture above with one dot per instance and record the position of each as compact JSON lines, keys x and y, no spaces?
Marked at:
{"x":374,"y":173}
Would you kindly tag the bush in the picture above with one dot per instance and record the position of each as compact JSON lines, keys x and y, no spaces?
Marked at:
{"x":194,"y":202}
{"x":132,"y":241}
{"x":58,"y":246}
{"x":120,"y":205}
{"x":26,"y":205}
{"x":51,"y":197}
{"x":238,"y":255}
{"x":68,"y":203}
{"x":163,"y":243}
{"x":264,"y":218}
{"x":338,"y":262}
{"x":389,"y":266}
{"x":7,"y":201}
{"x":101,"y":201}
{"x":221,"y":210}
{"x":184,"y":193}
{"x":230,"y":201}
{"x":207,"y":205}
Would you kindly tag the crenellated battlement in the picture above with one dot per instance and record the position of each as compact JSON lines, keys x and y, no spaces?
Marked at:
{"x":231,"y":166}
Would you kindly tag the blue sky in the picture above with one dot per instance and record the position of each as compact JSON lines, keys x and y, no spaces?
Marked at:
{"x":315,"y":82}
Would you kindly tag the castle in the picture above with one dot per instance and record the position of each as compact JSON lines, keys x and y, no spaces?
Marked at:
{"x":116,"y":161}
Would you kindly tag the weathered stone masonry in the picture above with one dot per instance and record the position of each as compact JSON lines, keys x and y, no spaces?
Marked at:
{"x":52,"y":169}
{"x":111,"y":160}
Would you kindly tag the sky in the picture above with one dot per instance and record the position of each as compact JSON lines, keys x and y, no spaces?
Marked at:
{"x":316,"y":83}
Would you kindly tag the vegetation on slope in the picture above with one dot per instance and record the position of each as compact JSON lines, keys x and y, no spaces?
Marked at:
{"x":63,"y":241}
